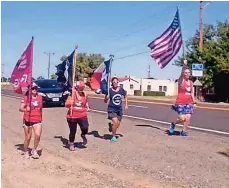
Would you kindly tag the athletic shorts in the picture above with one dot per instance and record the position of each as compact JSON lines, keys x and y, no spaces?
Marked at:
{"x":115,"y":113}
{"x":30,"y":124}
{"x":183,"y":109}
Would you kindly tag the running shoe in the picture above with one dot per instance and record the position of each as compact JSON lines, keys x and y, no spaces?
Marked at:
{"x":110,"y":126}
{"x":183,"y":133}
{"x":84,"y":139}
{"x":172,"y":128}
{"x":35,"y":154}
{"x":26,"y":155}
{"x":71,"y":146}
{"x":114,"y":139}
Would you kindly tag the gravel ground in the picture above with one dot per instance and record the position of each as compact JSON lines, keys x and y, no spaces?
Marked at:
{"x":144,"y":156}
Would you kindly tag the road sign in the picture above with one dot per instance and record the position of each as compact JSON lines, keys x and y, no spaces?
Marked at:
{"x":197,"y":69}
{"x":197,"y":83}
{"x":197,"y":66}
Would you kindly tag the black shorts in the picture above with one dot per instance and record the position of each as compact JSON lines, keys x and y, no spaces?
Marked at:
{"x":115,"y":113}
{"x":30,"y":124}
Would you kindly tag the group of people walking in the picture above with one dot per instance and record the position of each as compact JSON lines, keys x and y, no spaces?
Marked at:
{"x":78,"y":106}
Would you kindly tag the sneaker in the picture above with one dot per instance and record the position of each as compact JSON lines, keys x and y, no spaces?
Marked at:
{"x":114,"y":139}
{"x":35,"y":154}
{"x":183,"y":133}
{"x":71,"y":146}
{"x":84,"y":139}
{"x":26,"y":155}
{"x":172,"y":128}
{"x":110,"y":126}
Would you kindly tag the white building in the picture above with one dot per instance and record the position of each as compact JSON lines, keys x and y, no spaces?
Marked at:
{"x":130,"y":84}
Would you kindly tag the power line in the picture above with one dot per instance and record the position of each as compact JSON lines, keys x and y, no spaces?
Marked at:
{"x":131,"y":55}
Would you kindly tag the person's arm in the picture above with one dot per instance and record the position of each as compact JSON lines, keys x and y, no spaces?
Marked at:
{"x":69,"y":102}
{"x":125,"y":100}
{"x":193,"y":95}
{"x":87,"y":105}
{"x":106,"y":98}
{"x":23,"y":105}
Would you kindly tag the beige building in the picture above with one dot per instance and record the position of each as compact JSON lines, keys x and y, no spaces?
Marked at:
{"x":131,"y":83}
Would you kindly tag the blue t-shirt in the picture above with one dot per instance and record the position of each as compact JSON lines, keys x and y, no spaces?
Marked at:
{"x":115,"y":102}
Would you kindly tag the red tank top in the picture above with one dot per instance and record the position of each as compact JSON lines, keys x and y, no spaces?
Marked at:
{"x":185,"y":93}
{"x":79,"y":108}
{"x":35,"y":111}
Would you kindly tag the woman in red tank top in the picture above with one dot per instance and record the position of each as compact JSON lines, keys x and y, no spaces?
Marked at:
{"x":185,"y":102}
{"x":32,"y":119}
{"x":77,"y":114}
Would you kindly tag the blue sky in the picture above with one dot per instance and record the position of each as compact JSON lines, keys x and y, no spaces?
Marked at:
{"x":120,"y":28}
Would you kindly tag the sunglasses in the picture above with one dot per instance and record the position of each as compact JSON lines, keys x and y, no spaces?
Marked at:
{"x":34,"y":88}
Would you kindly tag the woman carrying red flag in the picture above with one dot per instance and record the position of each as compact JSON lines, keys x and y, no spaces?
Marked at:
{"x":185,"y":102}
{"x":79,"y":106}
{"x":32,"y":120}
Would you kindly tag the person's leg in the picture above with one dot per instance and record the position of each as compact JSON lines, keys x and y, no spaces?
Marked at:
{"x":83,"y":123}
{"x":37,"y":128}
{"x":186,"y":124}
{"x":72,"y":128}
{"x":115,"y":122}
{"x":181,"y":118}
{"x":28,"y":135}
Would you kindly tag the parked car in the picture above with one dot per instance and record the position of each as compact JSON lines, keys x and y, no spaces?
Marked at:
{"x":53,"y":93}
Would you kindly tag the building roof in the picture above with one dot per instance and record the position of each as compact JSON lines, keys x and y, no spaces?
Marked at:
{"x":122,"y":79}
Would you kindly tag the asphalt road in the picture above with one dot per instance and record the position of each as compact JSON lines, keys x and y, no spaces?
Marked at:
{"x":202,"y":118}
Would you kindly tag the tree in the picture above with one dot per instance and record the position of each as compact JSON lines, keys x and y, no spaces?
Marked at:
{"x":85,"y":64}
{"x":214,"y":56}
{"x":54,"y":76}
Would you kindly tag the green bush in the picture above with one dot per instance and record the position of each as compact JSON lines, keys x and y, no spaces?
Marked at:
{"x":137,"y":92}
{"x":153,"y":93}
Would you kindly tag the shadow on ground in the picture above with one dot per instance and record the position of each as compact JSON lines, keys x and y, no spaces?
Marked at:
{"x":64,"y":141}
{"x":104,"y":137}
{"x":224,"y":153}
{"x":21,"y":148}
{"x":176,"y":133}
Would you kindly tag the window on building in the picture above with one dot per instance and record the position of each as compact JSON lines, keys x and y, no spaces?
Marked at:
{"x":131,"y":86}
{"x":121,"y":85}
{"x":160,"y":88}
{"x":148,"y":87}
{"x":164,"y":88}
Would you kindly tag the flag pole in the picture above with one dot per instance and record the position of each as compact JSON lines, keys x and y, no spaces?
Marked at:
{"x":73,"y":74}
{"x":31,"y":80}
{"x":183,"y":50}
{"x":109,"y":76}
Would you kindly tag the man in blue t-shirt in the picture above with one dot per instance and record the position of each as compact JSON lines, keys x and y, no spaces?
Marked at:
{"x":114,"y":109}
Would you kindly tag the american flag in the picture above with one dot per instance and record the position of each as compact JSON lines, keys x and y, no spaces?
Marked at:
{"x":165,"y":47}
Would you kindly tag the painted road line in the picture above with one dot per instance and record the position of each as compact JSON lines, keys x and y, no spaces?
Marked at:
{"x":136,"y":106}
{"x":150,"y":120}
{"x":168,"y":123}
{"x":167,"y":104}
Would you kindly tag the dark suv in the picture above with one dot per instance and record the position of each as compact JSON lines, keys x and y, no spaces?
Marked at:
{"x":53,"y":93}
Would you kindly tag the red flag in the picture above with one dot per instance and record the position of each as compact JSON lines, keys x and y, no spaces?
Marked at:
{"x":21,"y":76}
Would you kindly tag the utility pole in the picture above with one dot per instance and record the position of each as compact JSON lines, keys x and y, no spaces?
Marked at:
{"x":201,"y":42}
{"x":49,"y":55}
{"x":2,"y":77}
{"x":148,"y":72}
{"x":201,"y":26}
